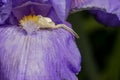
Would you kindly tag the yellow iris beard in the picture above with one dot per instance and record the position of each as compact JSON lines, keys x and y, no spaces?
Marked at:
{"x":30,"y":23}
{"x":31,"y":18}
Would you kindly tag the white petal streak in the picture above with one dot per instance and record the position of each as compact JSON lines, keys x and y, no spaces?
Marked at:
{"x":44,"y":55}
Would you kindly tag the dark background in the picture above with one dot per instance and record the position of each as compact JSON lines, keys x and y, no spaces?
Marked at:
{"x":99,"y":46}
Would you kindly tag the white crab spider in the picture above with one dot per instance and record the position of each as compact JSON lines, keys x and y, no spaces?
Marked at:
{"x":34,"y":23}
{"x":48,"y":23}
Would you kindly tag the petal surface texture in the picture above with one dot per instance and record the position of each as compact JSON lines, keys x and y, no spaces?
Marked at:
{"x":5,"y":10}
{"x":44,"y":55}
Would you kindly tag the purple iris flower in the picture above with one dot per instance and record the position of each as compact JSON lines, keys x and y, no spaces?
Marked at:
{"x":41,"y":55}
{"x":27,"y":53}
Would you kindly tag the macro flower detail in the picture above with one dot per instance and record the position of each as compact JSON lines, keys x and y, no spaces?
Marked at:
{"x":37,"y":43}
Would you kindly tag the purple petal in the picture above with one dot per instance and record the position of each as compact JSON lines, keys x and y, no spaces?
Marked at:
{"x":79,"y":4}
{"x":106,"y":18}
{"x":20,"y":2}
{"x":45,"y":55}
{"x":110,"y":6}
{"x":75,"y":3}
{"x":52,"y":14}
{"x":62,"y":8}
{"x":5,"y":10}
{"x":25,"y":9}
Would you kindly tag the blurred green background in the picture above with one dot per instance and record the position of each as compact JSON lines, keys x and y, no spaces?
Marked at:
{"x":99,"y":46}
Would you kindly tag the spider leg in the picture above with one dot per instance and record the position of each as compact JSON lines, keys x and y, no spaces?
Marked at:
{"x":68,"y":29}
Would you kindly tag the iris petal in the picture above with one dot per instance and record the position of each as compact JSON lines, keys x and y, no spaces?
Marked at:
{"x":109,"y":8}
{"x":20,"y":2}
{"x":91,"y":4}
{"x":106,"y":18}
{"x":25,"y":9}
{"x":45,"y":55}
{"x":5,"y":10}
{"x":62,"y":8}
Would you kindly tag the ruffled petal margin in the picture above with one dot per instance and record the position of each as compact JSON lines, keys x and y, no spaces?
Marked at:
{"x":107,"y":19}
{"x":112,"y":7}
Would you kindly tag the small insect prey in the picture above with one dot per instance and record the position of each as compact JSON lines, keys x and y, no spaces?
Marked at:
{"x":34,"y":23}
